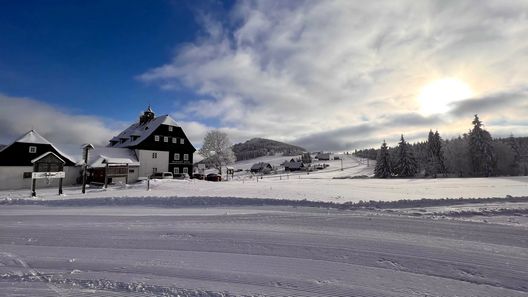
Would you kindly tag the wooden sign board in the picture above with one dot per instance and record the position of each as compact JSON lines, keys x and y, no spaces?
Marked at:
{"x":41,"y":175}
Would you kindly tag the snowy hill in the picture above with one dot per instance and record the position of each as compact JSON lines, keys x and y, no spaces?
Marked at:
{"x":258,"y":147}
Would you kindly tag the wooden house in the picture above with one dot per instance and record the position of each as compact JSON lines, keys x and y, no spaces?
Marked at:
{"x":261,"y":167}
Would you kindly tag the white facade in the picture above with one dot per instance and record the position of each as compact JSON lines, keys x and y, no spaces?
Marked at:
{"x":12,"y":178}
{"x":151,"y":161}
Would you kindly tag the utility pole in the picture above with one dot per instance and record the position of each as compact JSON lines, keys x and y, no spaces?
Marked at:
{"x":85,"y":148}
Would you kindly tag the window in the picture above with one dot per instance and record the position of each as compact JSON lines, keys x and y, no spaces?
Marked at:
{"x":182,"y":141}
{"x":185,"y":170}
{"x":27,"y":174}
{"x":176,"y":170}
{"x":170,"y":128}
{"x":174,"y":140}
{"x":154,"y":170}
{"x":176,"y":156}
{"x":130,"y":170}
{"x":32,"y":149}
{"x":154,"y":155}
{"x":156,"y":138}
{"x":186,"y":157}
{"x":165,"y":139}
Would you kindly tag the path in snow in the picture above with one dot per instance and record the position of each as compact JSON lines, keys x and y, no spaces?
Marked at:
{"x":120,"y":251}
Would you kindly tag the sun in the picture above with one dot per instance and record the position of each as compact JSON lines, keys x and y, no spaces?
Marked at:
{"x":437,"y":96}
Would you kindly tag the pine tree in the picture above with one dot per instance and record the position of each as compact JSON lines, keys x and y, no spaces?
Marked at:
{"x":435,"y":156}
{"x":439,"y":153}
{"x":406,"y":165}
{"x":431,"y":166}
{"x":481,"y":150}
{"x":516,"y":164}
{"x":383,"y":163}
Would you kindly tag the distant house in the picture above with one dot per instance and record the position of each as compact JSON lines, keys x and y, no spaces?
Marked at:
{"x":261,"y":167}
{"x":324,"y":156}
{"x":293,"y":165}
{"x":17,"y":161}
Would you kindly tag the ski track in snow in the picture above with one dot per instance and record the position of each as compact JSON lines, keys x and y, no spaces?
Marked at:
{"x":253,"y":251}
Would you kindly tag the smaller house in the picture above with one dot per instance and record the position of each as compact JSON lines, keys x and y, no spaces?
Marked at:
{"x":293,"y":165}
{"x":261,"y":167}
{"x":17,"y":162}
{"x":118,"y":164}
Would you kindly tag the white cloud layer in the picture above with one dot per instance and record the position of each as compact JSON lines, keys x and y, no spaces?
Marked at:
{"x":69,"y":132}
{"x":338,"y":75}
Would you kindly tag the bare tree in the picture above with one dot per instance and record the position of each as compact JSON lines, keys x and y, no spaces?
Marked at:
{"x":217,"y":150}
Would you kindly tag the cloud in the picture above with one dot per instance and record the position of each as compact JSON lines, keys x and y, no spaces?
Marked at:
{"x":502,"y":101}
{"x":311,"y":71}
{"x":19,"y":115}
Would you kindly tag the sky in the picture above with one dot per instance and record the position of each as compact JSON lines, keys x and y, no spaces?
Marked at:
{"x":326,"y":75}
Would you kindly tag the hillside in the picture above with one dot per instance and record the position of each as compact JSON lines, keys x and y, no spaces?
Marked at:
{"x":258,"y":147}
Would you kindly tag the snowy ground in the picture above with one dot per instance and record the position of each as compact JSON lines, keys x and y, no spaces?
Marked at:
{"x":171,"y":241}
{"x":309,"y":187}
{"x":254,"y":251}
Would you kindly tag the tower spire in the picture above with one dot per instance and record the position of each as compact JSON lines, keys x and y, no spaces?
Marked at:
{"x":147,"y":115}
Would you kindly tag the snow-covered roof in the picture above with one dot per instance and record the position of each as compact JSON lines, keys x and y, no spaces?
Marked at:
{"x":141,"y":131}
{"x":260,"y":166}
{"x":44,"y":155}
{"x":33,"y":137}
{"x":100,"y":156}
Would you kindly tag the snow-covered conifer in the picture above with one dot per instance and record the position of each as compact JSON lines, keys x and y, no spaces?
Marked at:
{"x":383,"y":162}
{"x":406,"y":165}
{"x":481,"y":150}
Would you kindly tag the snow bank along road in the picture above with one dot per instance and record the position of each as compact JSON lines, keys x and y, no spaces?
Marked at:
{"x":253,"y":251}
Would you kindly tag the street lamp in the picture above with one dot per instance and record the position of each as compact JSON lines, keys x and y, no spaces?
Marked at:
{"x":86,"y":148}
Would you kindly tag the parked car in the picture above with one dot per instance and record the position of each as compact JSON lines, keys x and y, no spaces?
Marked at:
{"x":162,"y":175}
{"x":181,"y":176}
{"x":198,"y":176}
{"x":214,"y":177}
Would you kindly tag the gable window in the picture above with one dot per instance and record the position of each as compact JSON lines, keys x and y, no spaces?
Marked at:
{"x":154,"y":155}
{"x":182,"y":141}
{"x":165,"y":139}
{"x":176,"y":156}
{"x":156,"y":137}
{"x":174,"y":140}
{"x":186,"y":157}
{"x":32,"y":149}
{"x":170,"y":128}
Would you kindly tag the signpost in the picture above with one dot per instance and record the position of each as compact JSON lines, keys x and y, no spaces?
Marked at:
{"x":47,"y":166}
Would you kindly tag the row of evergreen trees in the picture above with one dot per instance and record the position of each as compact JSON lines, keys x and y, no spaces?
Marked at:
{"x":473,"y":154}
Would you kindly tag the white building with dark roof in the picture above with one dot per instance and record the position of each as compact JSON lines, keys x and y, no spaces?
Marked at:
{"x":157,"y":144}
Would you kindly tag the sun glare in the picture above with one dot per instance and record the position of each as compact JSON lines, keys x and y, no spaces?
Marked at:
{"x":437,"y":96}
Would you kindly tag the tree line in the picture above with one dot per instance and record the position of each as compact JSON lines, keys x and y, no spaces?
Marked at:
{"x":473,"y":154}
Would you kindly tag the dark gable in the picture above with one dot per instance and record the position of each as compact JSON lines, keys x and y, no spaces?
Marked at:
{"x":19,"y":154}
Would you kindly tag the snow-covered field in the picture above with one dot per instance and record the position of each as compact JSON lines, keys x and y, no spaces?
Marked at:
{"x":256,"y":251}
{"x":303,"y":187}
{"x":325,"y":185}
